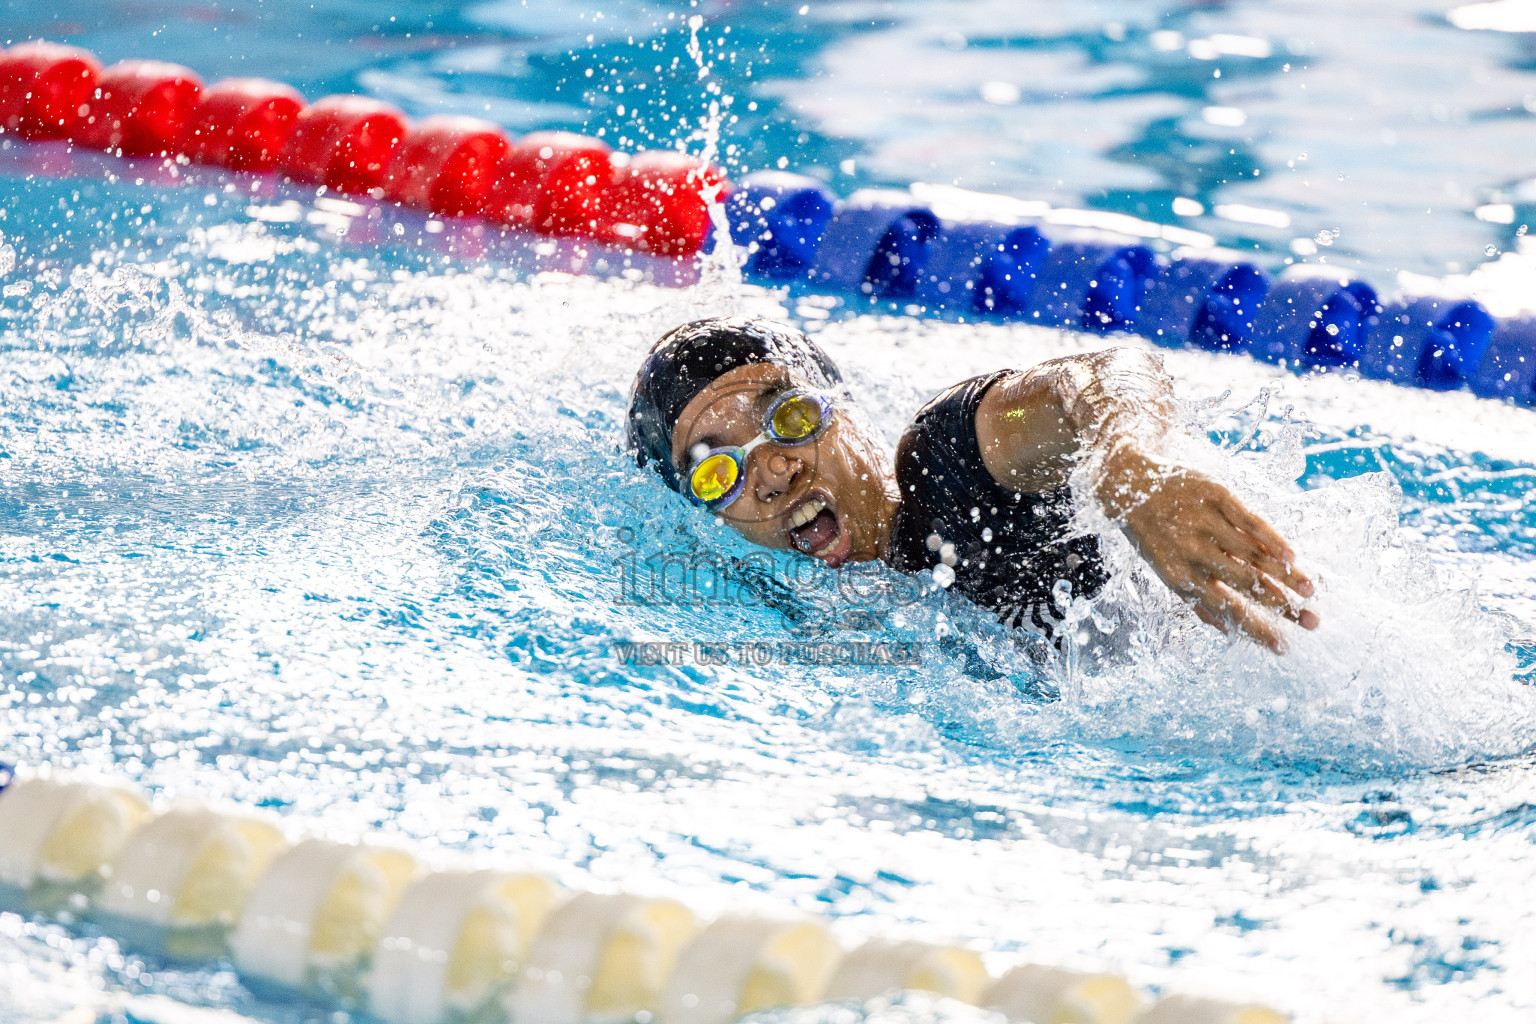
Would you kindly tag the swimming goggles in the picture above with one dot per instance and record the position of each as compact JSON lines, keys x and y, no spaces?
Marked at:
{"x":795,"y":418}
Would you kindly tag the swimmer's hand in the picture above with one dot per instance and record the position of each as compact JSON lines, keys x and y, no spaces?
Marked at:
{"x":1033,"y":427}
{"x":1207,"y":546}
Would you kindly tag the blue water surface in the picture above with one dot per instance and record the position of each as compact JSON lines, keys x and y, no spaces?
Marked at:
{"x":321,"y":507}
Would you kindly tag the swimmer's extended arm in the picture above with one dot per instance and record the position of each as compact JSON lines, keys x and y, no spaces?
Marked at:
{"x":1035,"y":425}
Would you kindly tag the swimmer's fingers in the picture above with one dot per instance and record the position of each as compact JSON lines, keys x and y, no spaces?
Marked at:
{"x":1300,"y":588}
{"x":1211,"y":620}
{"x":1229,"y":607}
{"x":1283,"y":572}
{"x":1231,"y":564}
{"x":1258,"y":583}
{"x":1255,"y":526}
{"x":1265,"y":547}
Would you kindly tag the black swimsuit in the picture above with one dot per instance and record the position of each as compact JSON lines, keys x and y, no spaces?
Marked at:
{"x":1006,"y":548}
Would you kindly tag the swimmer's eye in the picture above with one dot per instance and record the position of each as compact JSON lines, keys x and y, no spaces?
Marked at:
{"x":718,"y":474}
{"x":714,"y":478}
{"x":797,"y":416}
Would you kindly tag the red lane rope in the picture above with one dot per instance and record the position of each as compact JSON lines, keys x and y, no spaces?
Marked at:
{"x":556,"y":183}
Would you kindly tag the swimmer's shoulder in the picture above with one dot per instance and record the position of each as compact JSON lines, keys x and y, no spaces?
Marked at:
{"x":947,"y":419}
{"x":940,"y":471}
{"x":949,"y":455}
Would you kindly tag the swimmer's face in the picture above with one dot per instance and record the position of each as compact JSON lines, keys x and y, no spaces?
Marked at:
{"x":824,"y":499}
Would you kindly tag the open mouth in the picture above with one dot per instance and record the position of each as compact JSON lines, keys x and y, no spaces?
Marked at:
{"x":814,"y":528}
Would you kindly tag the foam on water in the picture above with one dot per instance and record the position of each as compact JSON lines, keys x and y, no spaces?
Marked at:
{"x":1407,"y":668}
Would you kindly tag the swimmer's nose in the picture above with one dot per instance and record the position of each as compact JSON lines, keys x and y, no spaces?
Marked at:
{"x":774,"y":473}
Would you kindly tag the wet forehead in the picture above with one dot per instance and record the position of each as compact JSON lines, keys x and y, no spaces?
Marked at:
{"x":731,"y":404}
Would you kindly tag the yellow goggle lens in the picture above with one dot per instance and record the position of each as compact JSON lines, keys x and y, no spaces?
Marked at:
{"x":796,"y":418}
{"x":714,"y":478}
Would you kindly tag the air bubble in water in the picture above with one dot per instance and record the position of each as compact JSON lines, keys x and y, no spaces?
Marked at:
{"x":1061,"y":593}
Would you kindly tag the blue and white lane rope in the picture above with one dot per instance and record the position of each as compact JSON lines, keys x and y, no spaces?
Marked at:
{"x":888,"y":245}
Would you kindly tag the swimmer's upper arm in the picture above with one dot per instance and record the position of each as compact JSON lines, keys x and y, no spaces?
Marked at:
{"x":1022,"y":429}
{"x":1030,"y":425}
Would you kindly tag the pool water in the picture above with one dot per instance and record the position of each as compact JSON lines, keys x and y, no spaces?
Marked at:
{"x":342,"y":529}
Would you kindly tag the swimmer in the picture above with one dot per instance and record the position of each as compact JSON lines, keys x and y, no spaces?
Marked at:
{"x":749,"y":420}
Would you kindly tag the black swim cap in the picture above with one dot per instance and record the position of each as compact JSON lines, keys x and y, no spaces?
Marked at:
{"x":687,"y":358}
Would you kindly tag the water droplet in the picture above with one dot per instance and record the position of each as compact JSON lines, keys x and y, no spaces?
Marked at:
{"x":1491,"y":250}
